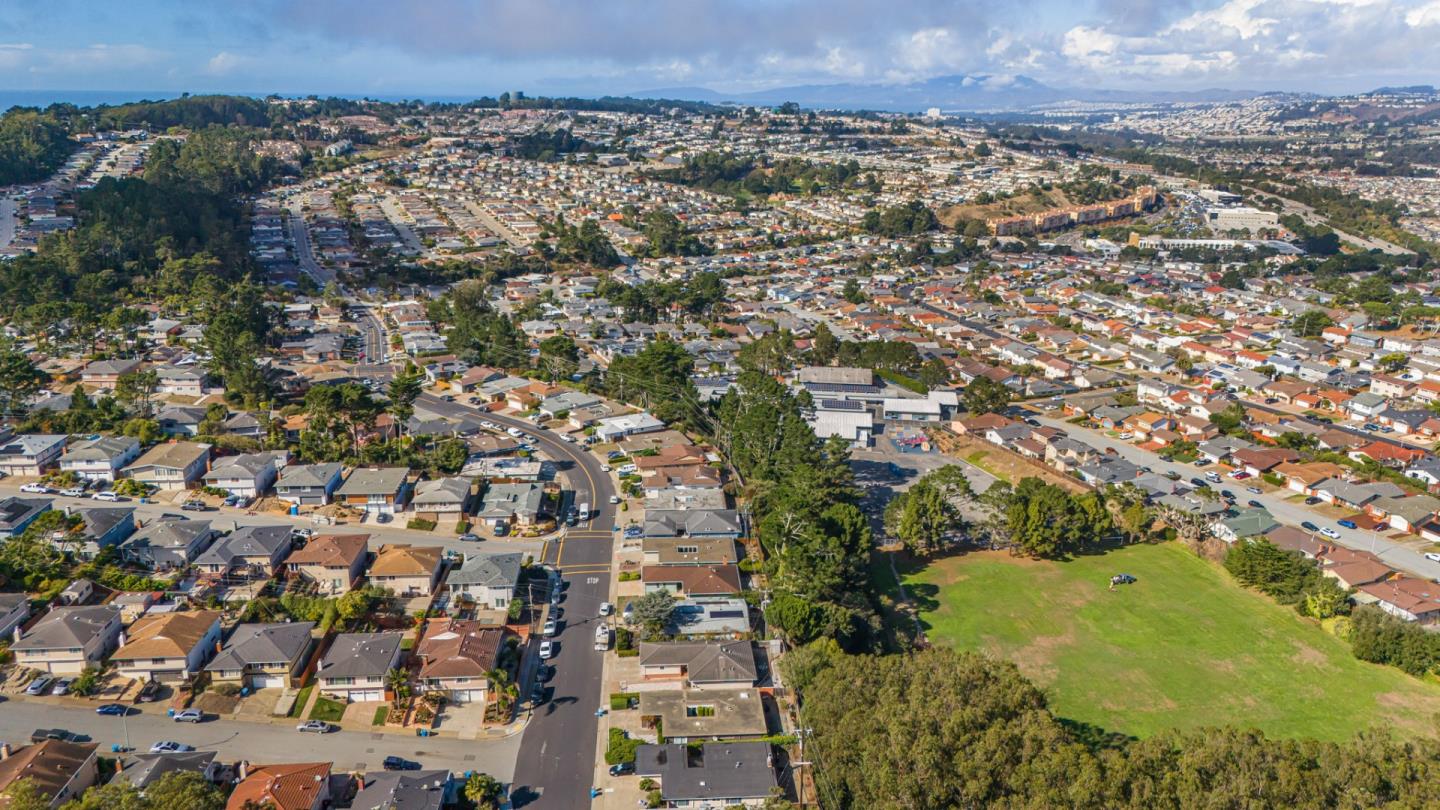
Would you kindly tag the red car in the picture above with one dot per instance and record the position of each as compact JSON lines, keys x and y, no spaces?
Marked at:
{"x":1240,"y":476}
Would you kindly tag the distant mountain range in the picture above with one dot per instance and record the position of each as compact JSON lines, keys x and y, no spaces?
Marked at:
{"x":960,"y":93}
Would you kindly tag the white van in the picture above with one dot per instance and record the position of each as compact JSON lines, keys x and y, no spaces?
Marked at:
{"x":602,"y":637}
{"x":583,"y":513}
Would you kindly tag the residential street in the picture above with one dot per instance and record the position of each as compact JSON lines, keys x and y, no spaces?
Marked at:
{"x":260,"y":742}
{"x":558,"y":749}
{"x":304,"y":255}
{"x":1394,"y":554}
{"x":7,"y":220}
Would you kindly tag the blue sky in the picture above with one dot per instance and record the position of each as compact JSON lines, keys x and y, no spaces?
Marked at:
{"x":474,"y":47}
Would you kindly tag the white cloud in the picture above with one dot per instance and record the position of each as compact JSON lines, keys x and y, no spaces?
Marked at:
{"x":13,"y":54}
{"x":226,"y":63}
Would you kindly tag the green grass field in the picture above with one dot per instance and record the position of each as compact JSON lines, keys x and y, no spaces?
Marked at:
{"x":1183,"y":647}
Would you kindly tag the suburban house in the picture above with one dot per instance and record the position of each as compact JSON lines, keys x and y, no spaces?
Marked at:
{"x":716,"y":774}
{"x":375,"y":489}
{"x":18,"y":513}
{"x":102,"y":526}
{"x":297,"y":786}
{"x":248,"y":476}
{"x":506,"y":504}
{"x":167,"y":543}
{"x":59,"y":770}
{"x":411,"y":790}
{"x":308,"y":484}
{"x":692,"y":580}
{"x":692,"y":523}
{"x":454,"y":657}
{"x":355,"y":665}
{"x":249,"y":552}
{"x":100,"y":459}
{"x":488,"y":580}
{"x":407,"y":570}
{"x":701,"y":664}
{"x":180,"y":420}
{"x":693,"y":715}
{"x":30,"y":455}
{"x":1408,"y":598}
{"x":68,"y":639}
{"x":104,"y":375}
{"x":15,"y":611}
{"x":332,"y":561}
{"x":173,"y":465}
{"x":144,"y":770}
{"x":441,"y":496}
{"x":168,"y":646}
{"x":262,"y":656}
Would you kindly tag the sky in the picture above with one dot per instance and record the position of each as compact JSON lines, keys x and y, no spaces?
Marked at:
{"x":467,"y":48}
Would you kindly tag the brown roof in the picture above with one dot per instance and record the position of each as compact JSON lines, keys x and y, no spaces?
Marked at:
{"x":50,"y":765}
{"x":453,"y":648}
{"x":406,"y":561}
{"x":286,"y":787}
{"x":331,"y":550}
{"x":168,"y":635}
{"x":701,"y":579}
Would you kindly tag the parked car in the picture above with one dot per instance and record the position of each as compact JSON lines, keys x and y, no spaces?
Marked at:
{"x":36,"y":489}
{"x":1202,"y":462}
{"x":1432,"y":556}
{"x":614,"y":499}
{"x":1240,"y":475}
{"x":317,"y":726}
{"x":550,"y":628}
{"x":73,"y":492}
{"x":39,"y":685}
{"x":61,"y":686}
{"x":170,"y":747}
{"x":113,"y":709}
{"x":544,"y":673}
{"x":1330,"y":533}
{"x":606,"y":608}
{"x":40,"y":735}
{"x":394,"y":763}
{"x":537,"y":694}
{"x":189,"y":716}
{"x":1311,"y":501}
{"x":547,"y":649}
{"x":1309,"y":527}
{"x":1127,"y":436}
{"x":1255,"y":504}
{"x":383,"y":517}
{"x":623,"y":769}
{"x":605,"y":467}
{"x":193,"y":506}
{"x":470,"y":537}
{"x":1253,"y":490}
{"x":105,"y":495}
{"x":1349,"y":524}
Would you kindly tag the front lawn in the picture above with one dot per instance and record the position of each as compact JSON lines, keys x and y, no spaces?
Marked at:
{"x":328,"y":710}
{"x":1183,"y":647}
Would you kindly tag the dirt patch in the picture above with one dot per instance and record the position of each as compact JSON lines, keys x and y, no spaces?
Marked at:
{"x":999,"y":462}
{"x":216,"y":703}
{"x":1306,"y":655}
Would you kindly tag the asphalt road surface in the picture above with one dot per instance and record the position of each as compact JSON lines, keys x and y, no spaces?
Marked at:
{"x":8,"y":221}
{"x":261,"y":742}
{"x":558,"y":750}
{"x":304,"y":254}
{"x":1290,"y":513}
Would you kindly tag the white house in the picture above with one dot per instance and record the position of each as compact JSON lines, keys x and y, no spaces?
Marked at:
{"x":100,"y":459}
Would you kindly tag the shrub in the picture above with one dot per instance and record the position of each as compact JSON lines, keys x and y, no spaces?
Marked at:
{"x":621,"y":700}
{"x":517,"y":607}
{"x":462,"y":527}
{"x":620,"y":748}
{"x":226,"y":689}
{"x":420,"y":524}
{"x":629,"y":576}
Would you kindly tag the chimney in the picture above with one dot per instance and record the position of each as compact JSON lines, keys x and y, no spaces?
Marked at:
{"x":18,"y":632}
{"x":119,"y":764}
{"x":244,"y":769}
{"x":4,"y":751}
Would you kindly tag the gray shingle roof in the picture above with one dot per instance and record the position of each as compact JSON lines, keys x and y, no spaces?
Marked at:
{"x":357,"y":655}
{"x":262,"y":644}
{"x":66,"y":627}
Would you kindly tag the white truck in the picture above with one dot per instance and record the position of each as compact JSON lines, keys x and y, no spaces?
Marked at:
{"x":602,"y":636}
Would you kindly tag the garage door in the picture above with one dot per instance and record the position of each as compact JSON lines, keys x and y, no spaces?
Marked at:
{"x":367,"y":695}
{"x":467,"y":695}
{"x":269,"y":681}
